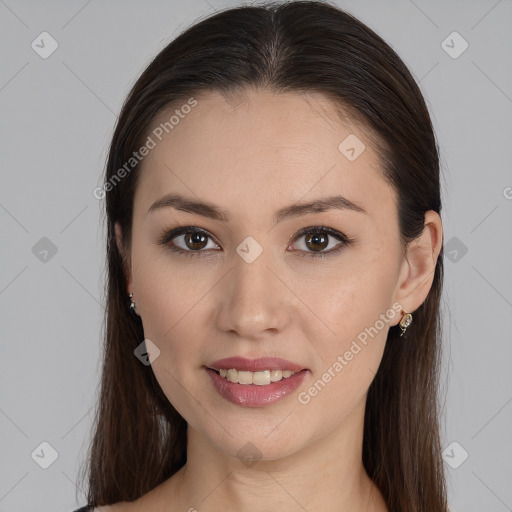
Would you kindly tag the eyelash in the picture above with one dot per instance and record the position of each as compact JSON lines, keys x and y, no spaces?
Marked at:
{"x":314,"y":230}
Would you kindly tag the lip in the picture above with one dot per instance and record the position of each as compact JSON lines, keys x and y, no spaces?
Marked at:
{"x":252,"y":395}
{"x":255,"y":365}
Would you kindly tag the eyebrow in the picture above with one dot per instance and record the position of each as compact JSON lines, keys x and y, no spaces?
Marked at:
{"x":215,"y":212}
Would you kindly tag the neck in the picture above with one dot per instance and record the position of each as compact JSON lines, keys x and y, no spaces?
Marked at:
{"x":327,"y":474}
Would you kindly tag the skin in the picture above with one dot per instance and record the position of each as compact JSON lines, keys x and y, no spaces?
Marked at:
{"x":252,"y":156}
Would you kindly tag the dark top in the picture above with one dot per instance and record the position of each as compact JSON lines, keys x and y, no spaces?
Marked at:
{"x":85,"y":508}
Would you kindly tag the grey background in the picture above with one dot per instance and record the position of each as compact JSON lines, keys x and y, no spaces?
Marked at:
{"x":57,"y":117}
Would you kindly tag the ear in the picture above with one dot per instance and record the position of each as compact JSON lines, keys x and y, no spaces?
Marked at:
{"x":417,"y":271}
{"x":124,"y":255}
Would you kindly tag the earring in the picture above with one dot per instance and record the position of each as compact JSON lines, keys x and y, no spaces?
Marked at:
{"x":132,"y":305}
{"x":405,"y":322}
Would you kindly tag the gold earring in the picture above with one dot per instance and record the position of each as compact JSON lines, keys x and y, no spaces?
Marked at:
{"x":405,"y":322}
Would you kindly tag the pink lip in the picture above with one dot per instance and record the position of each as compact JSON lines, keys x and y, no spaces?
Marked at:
{"x":252,"y":395}
{"x":255,"y":365}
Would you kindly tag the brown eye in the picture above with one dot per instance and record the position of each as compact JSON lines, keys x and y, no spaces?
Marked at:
{"x":189,"y":240}
{"x":316,"y":242}
{"x":195,"y":240}
{"x":318,"y":239}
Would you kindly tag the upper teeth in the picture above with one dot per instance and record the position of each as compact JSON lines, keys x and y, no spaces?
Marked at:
{"x":259,"y":378}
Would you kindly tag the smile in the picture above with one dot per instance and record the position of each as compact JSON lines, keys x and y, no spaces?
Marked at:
{"x":261,"y":378}
{"x":255,"y":389}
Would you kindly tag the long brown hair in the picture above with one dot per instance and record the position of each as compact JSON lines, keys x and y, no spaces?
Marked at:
{"x":139,"y":439}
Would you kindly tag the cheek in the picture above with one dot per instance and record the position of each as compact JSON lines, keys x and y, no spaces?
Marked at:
{"x":349,"y":361}
{"x":344,"y":306}
{"x":169,"y":315}
{"x":166,"y":293}
{"x":353,"y":317}
{"x":178,"y":367}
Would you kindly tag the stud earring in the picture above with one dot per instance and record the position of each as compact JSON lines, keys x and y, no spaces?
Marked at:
{"x":405,"y":322}
{"x":132,"y":305}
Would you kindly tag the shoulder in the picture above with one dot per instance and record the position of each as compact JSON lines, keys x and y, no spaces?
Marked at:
{"x":138,"y":505}
{"x":89,"y":508}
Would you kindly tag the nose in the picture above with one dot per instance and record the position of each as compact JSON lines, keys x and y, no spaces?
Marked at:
{"x":254,"y":301}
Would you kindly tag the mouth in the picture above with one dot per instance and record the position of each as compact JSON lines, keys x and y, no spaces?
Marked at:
{"x":255,"y":389}
{"x":260,"y":378}
{"x":261,"y":364}
{"x":255,"y":382}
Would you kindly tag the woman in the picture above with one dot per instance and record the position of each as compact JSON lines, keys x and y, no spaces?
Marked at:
{"x":274,"y":275}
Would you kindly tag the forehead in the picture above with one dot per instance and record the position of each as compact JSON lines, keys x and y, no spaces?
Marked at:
{"x":261,"y":148}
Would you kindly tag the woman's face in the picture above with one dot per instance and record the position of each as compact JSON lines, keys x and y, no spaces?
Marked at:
{"x":249,"y":284}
